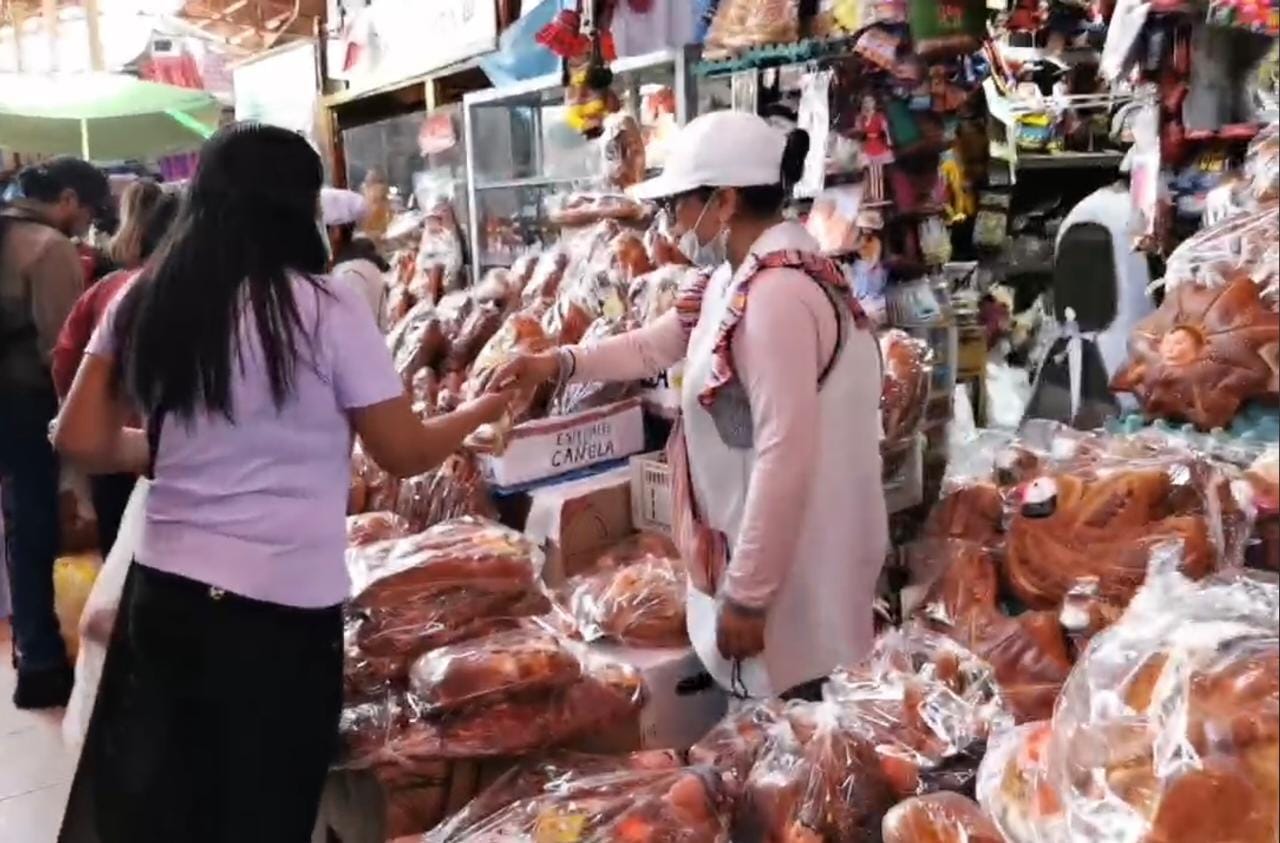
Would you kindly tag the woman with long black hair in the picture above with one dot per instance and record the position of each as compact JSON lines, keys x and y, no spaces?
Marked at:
{"x":217,"y":715}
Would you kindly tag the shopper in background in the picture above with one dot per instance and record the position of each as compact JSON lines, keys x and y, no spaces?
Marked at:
{"x":778,"y":505}
{"x":40,"y":279}
{"x":217,"y":715}
{"x":146,"y":215}
{"x":356,"y":262}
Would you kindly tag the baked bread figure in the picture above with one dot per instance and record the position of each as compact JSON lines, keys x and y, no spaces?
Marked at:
{"x":939,"y":818}
{"x":1069,"y":527}
{"x":1203,"y":353}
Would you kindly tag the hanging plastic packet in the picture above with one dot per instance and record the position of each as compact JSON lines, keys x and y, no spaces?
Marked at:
{"x":992,"y":222}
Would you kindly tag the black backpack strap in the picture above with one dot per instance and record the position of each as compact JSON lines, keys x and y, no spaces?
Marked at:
{"x":841,"y":336}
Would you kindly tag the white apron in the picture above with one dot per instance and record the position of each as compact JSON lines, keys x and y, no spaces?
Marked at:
{"x":821,"y":617}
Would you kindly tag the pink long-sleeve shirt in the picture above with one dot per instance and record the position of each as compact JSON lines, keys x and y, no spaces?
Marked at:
{"x":784,"y":341}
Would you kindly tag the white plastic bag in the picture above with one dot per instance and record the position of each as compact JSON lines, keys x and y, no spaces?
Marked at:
{"x":99,"y":616}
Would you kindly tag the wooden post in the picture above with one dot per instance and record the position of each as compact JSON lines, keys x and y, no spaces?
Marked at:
{"x":96,"y":62}
{"x":49,"y":12}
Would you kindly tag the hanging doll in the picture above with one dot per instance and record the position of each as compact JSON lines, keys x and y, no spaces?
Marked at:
{"x":872,"y":129}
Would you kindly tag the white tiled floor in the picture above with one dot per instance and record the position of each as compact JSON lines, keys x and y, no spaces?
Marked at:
{"x":35,"y":767}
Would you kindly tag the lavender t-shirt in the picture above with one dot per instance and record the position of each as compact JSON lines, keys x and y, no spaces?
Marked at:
{"x":256,"y":507}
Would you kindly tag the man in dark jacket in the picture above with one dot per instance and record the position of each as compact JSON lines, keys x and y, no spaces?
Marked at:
{"x":41,"y":277}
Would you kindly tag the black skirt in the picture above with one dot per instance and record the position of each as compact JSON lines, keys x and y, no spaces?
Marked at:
{"x":216,"y":719}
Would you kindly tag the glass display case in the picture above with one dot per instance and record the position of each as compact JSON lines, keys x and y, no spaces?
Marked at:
{"x":520,"y":150}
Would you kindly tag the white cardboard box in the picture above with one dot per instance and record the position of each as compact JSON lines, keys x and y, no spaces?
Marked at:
{"x":545,"y":448}
{"x":682,"y":701}
{"x":574,"y":522}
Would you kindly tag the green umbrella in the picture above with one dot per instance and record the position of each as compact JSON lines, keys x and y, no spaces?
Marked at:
{"x":102,"y":116}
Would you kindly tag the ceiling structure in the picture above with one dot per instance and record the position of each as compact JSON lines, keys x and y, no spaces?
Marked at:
{"x":245,"y":26}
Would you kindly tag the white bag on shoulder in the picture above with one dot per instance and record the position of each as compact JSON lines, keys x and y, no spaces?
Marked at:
{"x":98,"y":618}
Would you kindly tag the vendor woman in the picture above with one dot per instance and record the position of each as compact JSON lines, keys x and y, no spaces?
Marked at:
{"x":218,"y":712}
{"x":778,"y":503}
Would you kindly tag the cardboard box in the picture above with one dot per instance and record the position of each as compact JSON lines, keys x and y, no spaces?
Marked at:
{"x":576,"y":521}
{"x":542,"y":449}
{"x":682,"y":701}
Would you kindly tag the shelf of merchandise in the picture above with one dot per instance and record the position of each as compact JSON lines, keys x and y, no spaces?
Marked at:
{"x":528,"y":183}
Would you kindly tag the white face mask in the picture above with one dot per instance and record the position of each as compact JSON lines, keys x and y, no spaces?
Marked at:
{"x":708,"y":255}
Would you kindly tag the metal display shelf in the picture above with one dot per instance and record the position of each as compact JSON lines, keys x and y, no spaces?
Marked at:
{"x":1110,"y":159}
{"x":519,"y":151}
{"x":776,"y":55}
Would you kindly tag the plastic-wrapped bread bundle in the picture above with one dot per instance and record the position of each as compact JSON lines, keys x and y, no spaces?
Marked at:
{"x":1104,"y":521}
{"x":641,"y":604}
{"x":622,"y":147}
{"x":475,"y":331}
{"x":455,"y":581}
{"x":585,"y":395}
{"x":372,"y":489}
{"x":939,"y":818}
{"x":1205,"y":351}
{"x":731,"y":748}
{"x":623,"y":806}
{"x":419,"y":340}
{"x":577,"y":210}
{"x":654,"y":293}
{"x":629,"y":256}
{"x":663,"y":250}
{"x":927,"y":705}
{"x":518,"y":662}
{"x":742,"y":24}
{"x":1015,"y":790}
{"x":1262,"y":166}
{"x":440,"y":253}
{"x":823,"y":786}
{"x":371,"y":527}
{"x":521,"y":333}
{"x":397,"y":730}
{"x":1029,"y":653}
{"x":454,"y":489}
{"x":567,"y":321}
{"x":544,"y":775}
{"x":548,"y":272}
{"x":1168,"y":729}
{"x":908,"y":365}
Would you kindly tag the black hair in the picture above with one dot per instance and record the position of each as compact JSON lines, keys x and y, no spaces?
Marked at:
{"x":763,"y":201}
{"x":246,"y":226}
{"x":44,"y":182}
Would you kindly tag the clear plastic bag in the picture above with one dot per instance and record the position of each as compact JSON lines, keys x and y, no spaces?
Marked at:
{"x":939,"y":818}
{"x":585,"y":395}
{"x":372,"y":489}
{"x":621,"y":806}
{"x":519,"y":662}
{"x":533,"y":778}
{"x":732,"y":747}
{"x":641,"y":604}
{"x":577,"y":210}
{"x":370,"y":527}
{"x":654,"y":293}
{"x":926,"y":704}
{"x":1166,"y":731}
{"x":814,"y":781}
{"x":475,"y":331}
{"x":455,"y":489}
{"x":743,"y":24}
{"x":908,"y":370}
{"x":398,"y":730}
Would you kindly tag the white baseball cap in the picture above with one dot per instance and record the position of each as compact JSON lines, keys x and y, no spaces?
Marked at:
{"x":720,"y":149}
{"x":342,"y":207}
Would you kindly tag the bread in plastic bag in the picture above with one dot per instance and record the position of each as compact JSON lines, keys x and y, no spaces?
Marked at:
{"x":743,"y":24}
{"x":622,"y":806}
{"x":1204,"y":352}
{"x":588,"y":208}
{"x":418,"y":340}
{"x":567,"y":321}
{"x":653,"y":294}
{"x":535,"y":777}
{"x":939,"y":818}
{"x":1014,"y":786}
{"x":518,"y":662}
{"x":397,"y":729}
{"x":544,"y":283}
{"x":622,"y":148}
{"x":372,"y":489}
{"x":1167,"y":729}
{"x":641,"y":604}
{"x":819,"y":783}
{"x":454,"y":489}
{"x":1028,"y":653}
{"x":733,"y":745}
{"x":370,"y":527}
{"x":578,"y":396}
{"x":926,"y":704}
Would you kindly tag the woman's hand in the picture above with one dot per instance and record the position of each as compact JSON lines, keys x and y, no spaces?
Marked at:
{"x":488,"y":408}
{"x":739,"y":631}
{"x":526,"y":372}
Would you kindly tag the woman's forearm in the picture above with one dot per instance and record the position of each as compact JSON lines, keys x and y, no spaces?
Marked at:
{"x":643,"y":353}
{"x":126,"y":452}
